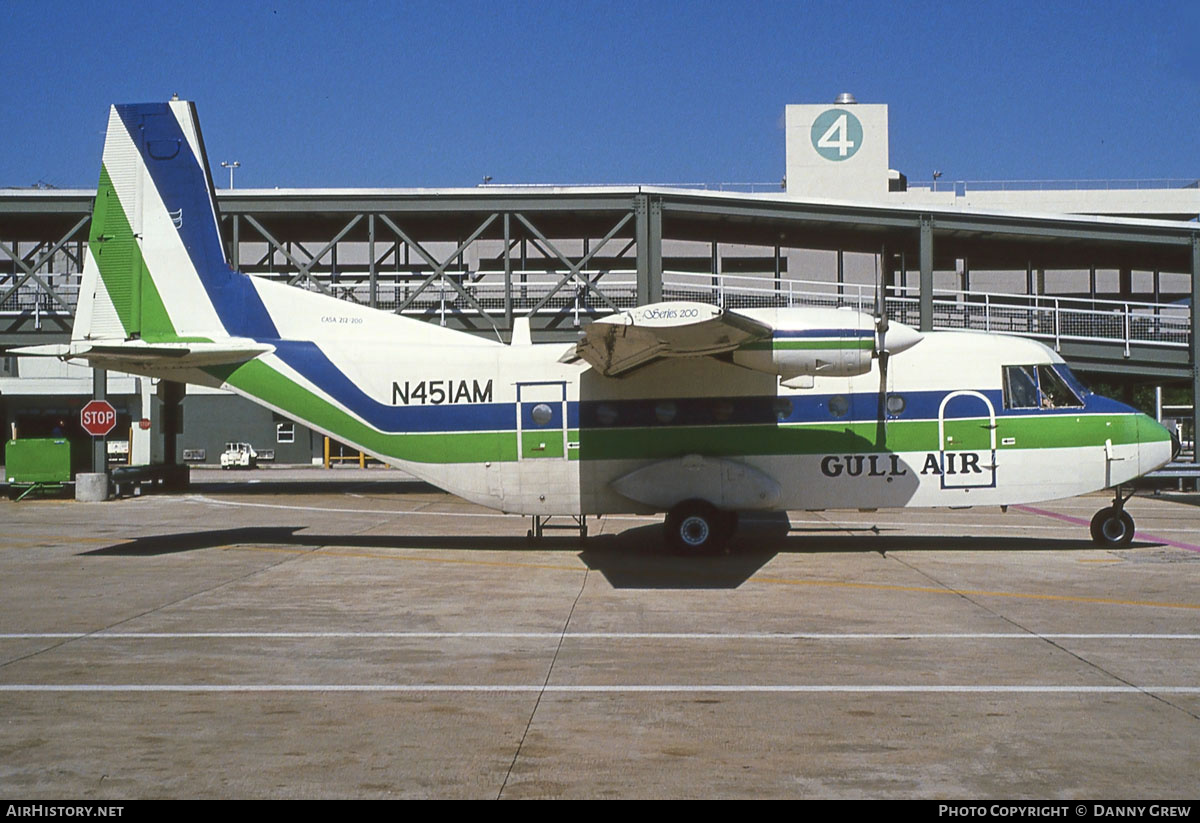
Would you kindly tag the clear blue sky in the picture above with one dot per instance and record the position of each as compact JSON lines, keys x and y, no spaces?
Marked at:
{"x":442,"y":93}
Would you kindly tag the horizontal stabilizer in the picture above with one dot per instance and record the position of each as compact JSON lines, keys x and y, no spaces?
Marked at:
{"x":114,"y":353}
{"x":617,"y":344}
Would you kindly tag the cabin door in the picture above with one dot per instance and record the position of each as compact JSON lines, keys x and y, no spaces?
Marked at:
{"x":542,"y":421}
{"x":967,"y":441}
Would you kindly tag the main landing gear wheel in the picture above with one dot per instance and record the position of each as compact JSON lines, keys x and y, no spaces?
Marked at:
{"x":1112,"y":528}
{"x":696,"y":527}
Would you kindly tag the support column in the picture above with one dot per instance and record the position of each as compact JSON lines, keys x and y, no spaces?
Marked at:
{"x":885,"y":276}
{"x":172,"y":418}
{"x":777,"y":274}
{"x":1195,"y":346}
{"x":525,"y":269}
{"x":926,"y":305}
{"x":1126,"y":282}
{"x":715,"y":268}
{"x":99,"y":444}
{"x":648,"y":228}
{"x":841,"y":272}
{"x":508,"y":301}
{"x":141,"y":440}
{"x":656,"y":267}
{"x":372,"y":274}
{"x":235,"y":244}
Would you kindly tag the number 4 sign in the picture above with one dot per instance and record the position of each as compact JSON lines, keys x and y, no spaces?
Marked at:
{"x":837,"y":134}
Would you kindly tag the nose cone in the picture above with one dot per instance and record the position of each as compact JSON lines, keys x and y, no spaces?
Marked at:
{"x":897,"y":338}
{"x":1156,"y":447}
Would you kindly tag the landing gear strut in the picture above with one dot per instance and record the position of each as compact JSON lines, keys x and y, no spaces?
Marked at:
{"x":1112,"y":527}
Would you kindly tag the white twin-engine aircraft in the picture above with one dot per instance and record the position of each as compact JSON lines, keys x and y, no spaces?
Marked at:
{"x":680,"y":407}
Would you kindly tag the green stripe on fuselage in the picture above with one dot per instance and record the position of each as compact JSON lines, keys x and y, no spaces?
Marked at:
{"x":259,"y":380}
{"x":1033,"y":432}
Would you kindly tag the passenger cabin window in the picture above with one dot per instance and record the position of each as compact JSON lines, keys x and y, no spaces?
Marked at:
{"x":1037,"y":387}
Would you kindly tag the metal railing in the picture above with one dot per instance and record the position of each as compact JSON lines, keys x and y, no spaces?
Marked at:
{"x":31,"y":298}
{"x":748,"y":291}
{"x":1057,"y":185}
{"x":1051,"y":319}
{"x":531,"y":290}
{"x":750,"y":187}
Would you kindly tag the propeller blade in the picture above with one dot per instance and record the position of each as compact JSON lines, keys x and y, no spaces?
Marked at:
{"x":881,"y":318}
{"x":881,"y":407}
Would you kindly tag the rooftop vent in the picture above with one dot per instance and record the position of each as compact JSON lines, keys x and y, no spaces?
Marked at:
{"x":845,"y":99}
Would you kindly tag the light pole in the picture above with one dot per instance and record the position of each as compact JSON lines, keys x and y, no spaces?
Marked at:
{"x":231,"y":166}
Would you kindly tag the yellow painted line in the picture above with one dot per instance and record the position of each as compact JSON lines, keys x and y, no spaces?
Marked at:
{"x":973,"y":593}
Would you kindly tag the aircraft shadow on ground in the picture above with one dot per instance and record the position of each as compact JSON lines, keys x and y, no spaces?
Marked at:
{"x":635,"y":558}
{"x":1187,"y":499}
{"x":302,"y":487}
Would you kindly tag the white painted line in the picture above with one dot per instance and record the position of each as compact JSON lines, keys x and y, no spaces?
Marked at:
{"x":418,"y":688}
{"x":555,"y":636}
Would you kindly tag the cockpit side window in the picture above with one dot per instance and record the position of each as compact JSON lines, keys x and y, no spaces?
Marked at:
{"x":1038,"y":387}
{"x":1020,"y":387}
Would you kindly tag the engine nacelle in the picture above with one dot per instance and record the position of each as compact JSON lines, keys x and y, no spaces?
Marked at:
{"x":810,"y":341}
{"x":834,"y":360}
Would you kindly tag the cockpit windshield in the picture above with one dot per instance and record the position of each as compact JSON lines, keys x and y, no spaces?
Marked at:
{"x":1041,"y":387}
{"x":1077,"y":386}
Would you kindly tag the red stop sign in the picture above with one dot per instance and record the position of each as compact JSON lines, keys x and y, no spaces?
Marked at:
{"x":98,"y":418}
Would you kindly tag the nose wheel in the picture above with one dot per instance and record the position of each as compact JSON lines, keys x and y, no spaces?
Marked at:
{"x":1112,"y":527}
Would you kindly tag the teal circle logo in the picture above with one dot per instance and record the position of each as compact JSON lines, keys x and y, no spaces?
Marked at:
{"x":837,"y":135}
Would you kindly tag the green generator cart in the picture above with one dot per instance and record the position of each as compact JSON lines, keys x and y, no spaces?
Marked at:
{"x":37,"y":465}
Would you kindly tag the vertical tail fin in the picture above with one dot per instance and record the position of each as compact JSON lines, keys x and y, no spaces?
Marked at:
{"x":155,"y":268}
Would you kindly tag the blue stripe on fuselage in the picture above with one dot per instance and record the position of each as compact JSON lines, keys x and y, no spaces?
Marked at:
{"x":783,"y":333}
{"x":307,"y":359}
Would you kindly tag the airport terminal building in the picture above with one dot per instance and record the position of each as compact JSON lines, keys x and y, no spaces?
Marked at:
{"x":1105,"y":272}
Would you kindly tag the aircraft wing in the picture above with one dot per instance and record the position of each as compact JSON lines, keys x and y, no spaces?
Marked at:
{"x":617,"y":344}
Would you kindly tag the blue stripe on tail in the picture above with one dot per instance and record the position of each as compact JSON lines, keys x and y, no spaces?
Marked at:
{"x":182,"y":182}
